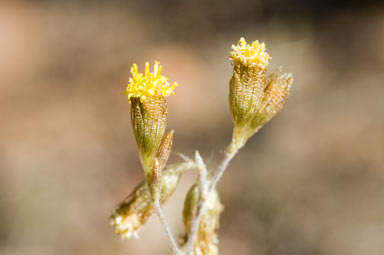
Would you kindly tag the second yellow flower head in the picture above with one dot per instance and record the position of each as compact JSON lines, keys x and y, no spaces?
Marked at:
{"x":253,"y":54}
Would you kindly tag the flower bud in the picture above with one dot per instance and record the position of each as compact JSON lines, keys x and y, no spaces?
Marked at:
{"x":206,"y":240}
{"x":136,"y":209}
{"x":161,"y":160}
{"x":275,"y":95}
{"x":165,"y":149}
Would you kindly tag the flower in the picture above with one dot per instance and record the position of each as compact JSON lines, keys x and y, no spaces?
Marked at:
{"x":254,"y":97}
{"x":146,"y":94}
{"x":253,"y":54}
{"x":149,"y":84}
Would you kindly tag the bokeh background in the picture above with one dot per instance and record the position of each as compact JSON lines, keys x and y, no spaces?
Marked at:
{"x":311,"y":182}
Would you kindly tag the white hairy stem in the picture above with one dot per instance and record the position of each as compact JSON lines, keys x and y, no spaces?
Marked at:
{"x":175,"y":246}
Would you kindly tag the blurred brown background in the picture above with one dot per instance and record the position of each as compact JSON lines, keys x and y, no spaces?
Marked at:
{"x":311,"y":182}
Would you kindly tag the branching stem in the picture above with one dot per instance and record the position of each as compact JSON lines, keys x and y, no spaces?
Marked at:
{"x":202,"y":204}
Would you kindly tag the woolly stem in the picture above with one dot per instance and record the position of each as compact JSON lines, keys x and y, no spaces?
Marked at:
{"x":175,"y":246}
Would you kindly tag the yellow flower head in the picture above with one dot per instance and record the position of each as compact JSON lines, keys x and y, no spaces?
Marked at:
{"x":250,"y":54}
{"x":149,"y":84}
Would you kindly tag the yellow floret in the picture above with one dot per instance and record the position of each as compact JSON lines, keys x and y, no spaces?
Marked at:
{"x":149,"y":84}
{"x":250,"y":54}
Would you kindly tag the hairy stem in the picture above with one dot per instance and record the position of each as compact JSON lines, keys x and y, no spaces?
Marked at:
{"x":202,"y":204}
{"x":203,"y":194}
{"x":222,"y":167}
{"x":175,"y":247}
